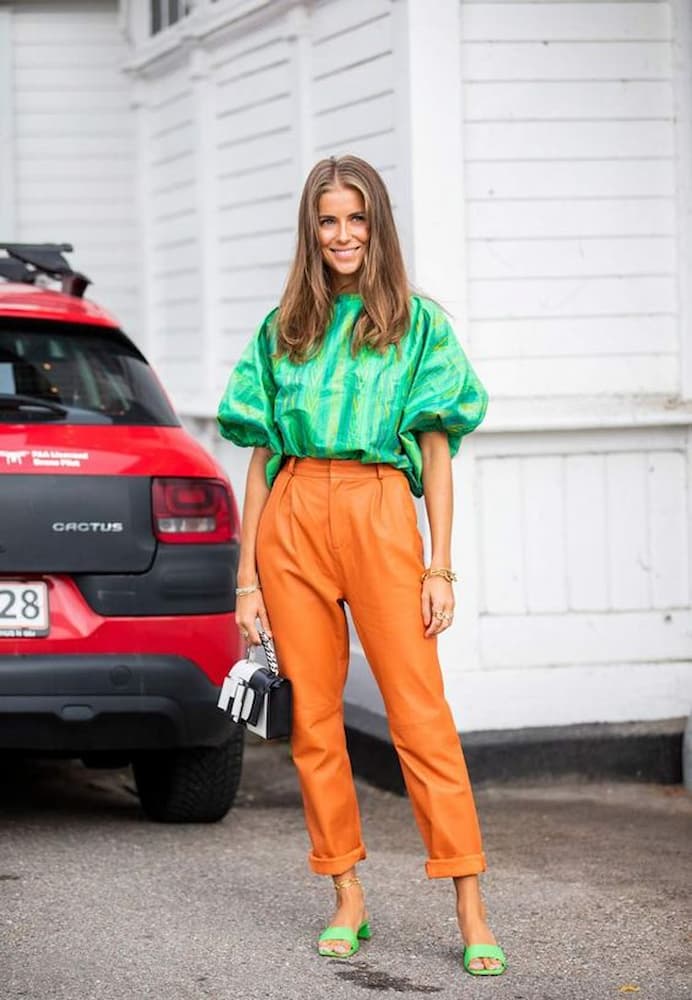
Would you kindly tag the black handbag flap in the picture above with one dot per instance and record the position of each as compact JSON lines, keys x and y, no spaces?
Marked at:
{"x":263,"y":679}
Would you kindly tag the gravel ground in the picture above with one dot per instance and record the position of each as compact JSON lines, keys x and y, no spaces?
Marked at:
{"x":588,"y":891}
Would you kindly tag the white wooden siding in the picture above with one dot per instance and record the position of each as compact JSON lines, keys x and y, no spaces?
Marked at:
{"x":353,"y":85}
{"x":259,"y":152}
{"x":569,"y":172}
{"x":585,"y":582}
{"x":606,"y":531}
{"x":74,"y":136}
{"x":256,"y":155}
{"x":168,"y":168}
{"x":574,"y":540}
{"x":526,"y":641}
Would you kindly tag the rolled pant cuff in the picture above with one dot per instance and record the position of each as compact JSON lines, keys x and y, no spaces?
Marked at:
{"x":335,"y":866}
{"x":468,"y":864}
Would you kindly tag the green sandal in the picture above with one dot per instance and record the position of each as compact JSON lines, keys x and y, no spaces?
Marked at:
{"x":344,"y":933}
{"x":472,"y":951}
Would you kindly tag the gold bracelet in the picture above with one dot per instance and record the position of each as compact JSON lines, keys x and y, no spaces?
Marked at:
{"x":241,"y":591}
{"x":448,"y":574}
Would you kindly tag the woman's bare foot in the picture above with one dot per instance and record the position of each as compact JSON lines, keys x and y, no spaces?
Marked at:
{"x":472,"y":923}
{"x":350,"y":909}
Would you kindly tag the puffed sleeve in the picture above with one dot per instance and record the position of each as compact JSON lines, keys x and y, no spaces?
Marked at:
{"x":446,"y":393}
{"x":246,"y":411}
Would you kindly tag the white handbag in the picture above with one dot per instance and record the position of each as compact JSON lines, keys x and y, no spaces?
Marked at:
{"x":255,"y":696}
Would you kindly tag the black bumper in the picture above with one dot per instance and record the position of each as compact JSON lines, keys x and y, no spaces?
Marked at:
{"x":78,"y":704}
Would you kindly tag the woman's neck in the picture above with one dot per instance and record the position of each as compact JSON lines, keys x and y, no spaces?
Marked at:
{"x":349,"y":287}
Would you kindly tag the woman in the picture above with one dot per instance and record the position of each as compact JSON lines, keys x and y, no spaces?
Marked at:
{"x":355,"y":394}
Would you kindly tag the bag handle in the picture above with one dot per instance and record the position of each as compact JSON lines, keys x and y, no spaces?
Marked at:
{"x":269,"y":651}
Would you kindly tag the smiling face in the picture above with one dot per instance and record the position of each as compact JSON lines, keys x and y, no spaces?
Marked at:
{"x":343,"y":232}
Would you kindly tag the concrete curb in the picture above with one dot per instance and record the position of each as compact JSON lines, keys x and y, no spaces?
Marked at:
{"x":632,"y":751}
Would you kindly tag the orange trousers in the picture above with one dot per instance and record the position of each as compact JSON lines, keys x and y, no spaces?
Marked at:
{"x":335,"y":531}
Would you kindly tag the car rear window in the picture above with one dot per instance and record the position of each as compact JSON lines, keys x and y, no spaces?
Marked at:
{"x":93,"y":373}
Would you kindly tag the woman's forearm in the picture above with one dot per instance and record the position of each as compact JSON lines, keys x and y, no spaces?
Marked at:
{"x":437,"y":490}
{"x":256,"y":493}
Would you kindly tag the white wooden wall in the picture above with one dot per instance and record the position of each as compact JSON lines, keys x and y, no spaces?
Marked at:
{"x":69,"y":142}
{"x":583,"y":590}
{"x":227,"y":134}
{"x":255,"y":145}
{"x":168,"y":170}
{"x":569,"y":161}
{"x":353,"y":84}
{"x":536,"y":152}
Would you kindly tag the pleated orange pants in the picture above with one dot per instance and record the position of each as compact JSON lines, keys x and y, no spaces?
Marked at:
{"x":335,"y":531}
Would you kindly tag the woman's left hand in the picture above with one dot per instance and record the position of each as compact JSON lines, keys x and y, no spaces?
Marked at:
{"x":437,"y":605}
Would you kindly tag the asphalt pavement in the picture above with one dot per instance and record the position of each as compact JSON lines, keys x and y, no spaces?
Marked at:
{"x":588,"y":891}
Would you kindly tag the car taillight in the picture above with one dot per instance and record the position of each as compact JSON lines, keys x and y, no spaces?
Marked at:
{"x":191,"y":510}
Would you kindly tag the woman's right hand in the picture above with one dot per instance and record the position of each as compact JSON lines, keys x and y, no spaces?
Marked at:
{"x":248,"y":608}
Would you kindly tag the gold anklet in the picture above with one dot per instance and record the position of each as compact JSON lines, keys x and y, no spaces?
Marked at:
{"x":345,"y":882}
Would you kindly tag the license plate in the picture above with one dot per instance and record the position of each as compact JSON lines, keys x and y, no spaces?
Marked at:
{"x":23,"y":609}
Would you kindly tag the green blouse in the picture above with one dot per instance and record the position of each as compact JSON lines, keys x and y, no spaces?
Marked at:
{"x":370,"y":408}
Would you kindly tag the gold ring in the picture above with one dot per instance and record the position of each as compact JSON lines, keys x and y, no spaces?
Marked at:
{"x":442,"y":616}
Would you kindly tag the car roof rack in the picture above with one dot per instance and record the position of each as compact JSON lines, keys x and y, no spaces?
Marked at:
{"x":25,"y":261}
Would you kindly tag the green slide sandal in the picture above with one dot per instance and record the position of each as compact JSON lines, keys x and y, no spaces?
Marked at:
{"x":484,"y":951}
{"x":344,"y":934}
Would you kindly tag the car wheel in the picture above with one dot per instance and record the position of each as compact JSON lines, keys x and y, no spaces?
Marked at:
{"x":196,"y":785}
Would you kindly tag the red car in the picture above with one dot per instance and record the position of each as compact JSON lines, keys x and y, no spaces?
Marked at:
{"x":118,"y":554}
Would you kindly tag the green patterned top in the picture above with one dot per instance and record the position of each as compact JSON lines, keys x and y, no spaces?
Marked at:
{"x":369,"y":408}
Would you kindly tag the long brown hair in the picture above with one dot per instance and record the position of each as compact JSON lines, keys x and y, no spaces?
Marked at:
{"x":306,"y":305}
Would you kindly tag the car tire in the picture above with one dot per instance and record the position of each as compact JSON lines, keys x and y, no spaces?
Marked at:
{"x":192,"y":785}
